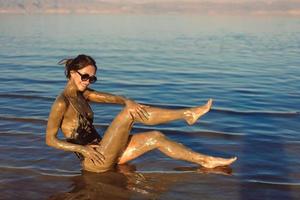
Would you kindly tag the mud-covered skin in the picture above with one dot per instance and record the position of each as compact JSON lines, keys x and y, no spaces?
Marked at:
{"x":116,"y":146}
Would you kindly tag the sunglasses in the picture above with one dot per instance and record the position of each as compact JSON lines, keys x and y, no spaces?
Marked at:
{"x":85,"y":77}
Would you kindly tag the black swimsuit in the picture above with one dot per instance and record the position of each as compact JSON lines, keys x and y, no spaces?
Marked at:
{"x":85,"y":133}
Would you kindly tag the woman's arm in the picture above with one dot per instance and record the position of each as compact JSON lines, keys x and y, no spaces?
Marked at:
{"x":102,"y":97}
{"x":55,"y":118}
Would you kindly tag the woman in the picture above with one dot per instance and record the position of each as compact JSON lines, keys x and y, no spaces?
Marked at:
{"x":71,"y":112}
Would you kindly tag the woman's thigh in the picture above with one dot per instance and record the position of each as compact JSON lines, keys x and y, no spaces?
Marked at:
{"x":139,"y":144}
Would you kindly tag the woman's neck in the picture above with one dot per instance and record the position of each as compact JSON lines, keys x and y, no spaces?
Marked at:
{"x":71,"y":89}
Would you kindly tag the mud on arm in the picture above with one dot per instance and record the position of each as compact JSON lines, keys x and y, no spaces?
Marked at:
{"x":54,"y":120}
{"x":103,"y":97}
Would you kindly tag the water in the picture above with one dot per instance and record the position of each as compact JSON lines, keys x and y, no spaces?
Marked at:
{"x":249,"y":65}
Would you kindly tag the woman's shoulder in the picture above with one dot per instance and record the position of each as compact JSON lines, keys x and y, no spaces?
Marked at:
{"x":61,"y":101}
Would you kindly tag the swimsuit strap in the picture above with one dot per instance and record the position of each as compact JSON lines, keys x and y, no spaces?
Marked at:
{"x":70,"y":100}
{"x":86,"y":131}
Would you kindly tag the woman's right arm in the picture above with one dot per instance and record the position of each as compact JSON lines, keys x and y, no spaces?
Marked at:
{"x":55,"y":118}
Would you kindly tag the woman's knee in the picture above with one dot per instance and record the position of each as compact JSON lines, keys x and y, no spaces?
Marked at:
{"x":157,"y":137}
{"x":135,"y":115}
{"x":127,"y":113}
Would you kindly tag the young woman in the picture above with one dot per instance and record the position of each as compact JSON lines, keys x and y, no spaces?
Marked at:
{"x":73,"y":115}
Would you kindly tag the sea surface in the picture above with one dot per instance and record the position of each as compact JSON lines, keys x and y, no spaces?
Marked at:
{"x":250,"y":66}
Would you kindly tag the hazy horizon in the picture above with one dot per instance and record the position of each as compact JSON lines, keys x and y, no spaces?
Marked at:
{"x":202,"y":7}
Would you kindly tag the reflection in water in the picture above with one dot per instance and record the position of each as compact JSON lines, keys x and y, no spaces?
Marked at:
{"x":225,"y":170}
{"x":108,"y":185}
{"x":125,"y":183}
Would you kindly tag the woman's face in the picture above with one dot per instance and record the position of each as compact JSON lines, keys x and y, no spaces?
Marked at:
{"x":81,"y":85}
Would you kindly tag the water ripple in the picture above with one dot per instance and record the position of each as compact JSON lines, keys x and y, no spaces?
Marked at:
{"x":275,"y":183}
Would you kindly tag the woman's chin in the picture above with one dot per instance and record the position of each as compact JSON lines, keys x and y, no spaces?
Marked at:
{"x":82,"y":88}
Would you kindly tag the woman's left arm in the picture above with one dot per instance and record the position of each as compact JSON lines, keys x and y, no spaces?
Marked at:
{"x":102,"y":97}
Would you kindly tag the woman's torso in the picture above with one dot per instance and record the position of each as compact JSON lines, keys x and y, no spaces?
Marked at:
{"x":77,"y":123}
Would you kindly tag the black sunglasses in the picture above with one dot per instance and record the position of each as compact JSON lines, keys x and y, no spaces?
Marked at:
{"x":85,"y":77}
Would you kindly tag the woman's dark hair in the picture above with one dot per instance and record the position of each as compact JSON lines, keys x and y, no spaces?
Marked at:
{"x":77,"y":63}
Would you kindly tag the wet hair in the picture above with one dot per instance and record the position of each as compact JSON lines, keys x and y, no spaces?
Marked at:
{"x":81,"y":61}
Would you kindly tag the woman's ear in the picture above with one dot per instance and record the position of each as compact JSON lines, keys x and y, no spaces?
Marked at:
{"x":72,"y":72}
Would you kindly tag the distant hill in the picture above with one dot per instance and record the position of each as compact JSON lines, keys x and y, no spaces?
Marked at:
{"x":256,"y":7}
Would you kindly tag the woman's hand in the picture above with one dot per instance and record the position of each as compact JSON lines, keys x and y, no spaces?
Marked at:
{"x":137,"y":109}
{"x":91,"y":152}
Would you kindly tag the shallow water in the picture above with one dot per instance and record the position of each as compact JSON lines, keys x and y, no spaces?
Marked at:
{"x":250,"y":67}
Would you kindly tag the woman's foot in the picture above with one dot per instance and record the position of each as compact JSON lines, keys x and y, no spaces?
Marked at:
{"x":212,"y":162}
{"x":193,"y":114}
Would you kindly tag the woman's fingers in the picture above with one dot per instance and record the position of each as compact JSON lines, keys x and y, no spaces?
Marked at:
{"x":93,"y":161}
{"x":96,"y":160}
{"x":99,"y":157}
{"x":143,"y":108}
{"x":142,"y":111}
{"x":138,"y":110}
{"x":95,"y":147}
{"x":96,"y":157}
{"x":142,"y":117}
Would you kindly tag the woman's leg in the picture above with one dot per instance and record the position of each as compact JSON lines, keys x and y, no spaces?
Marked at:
{"x":115,"y":139}
{"x":160,"y":115}
{"x":144,"y":142}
